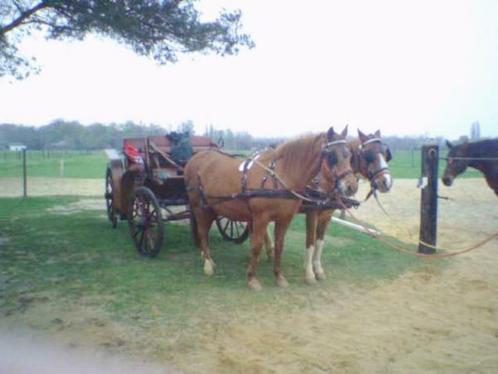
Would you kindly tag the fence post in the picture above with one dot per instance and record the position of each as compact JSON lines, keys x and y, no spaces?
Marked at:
{"x":428,"y":201}
{"x":24,"y":175}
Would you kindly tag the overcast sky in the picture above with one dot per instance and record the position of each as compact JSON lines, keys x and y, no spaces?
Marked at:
{"x":405,"y":67}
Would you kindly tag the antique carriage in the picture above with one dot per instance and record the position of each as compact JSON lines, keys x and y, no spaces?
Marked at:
{"x":144,"y":185}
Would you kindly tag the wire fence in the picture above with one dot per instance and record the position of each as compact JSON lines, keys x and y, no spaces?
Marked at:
{"x":50,"y":172}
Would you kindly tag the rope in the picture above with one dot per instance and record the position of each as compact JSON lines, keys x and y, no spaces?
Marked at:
{"x":417,"y":254}
{"x":470,"y":158}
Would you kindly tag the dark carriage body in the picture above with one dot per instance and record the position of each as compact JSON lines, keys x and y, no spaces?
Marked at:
{"x":160,"y":171}
{"x":145,"y":186}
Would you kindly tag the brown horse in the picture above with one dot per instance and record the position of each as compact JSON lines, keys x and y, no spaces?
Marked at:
{"x":369,"y":160}
{"x":482,"y":155}
{"x":212,"y":178}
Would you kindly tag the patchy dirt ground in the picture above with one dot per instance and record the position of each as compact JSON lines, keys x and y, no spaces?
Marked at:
{"x":41,"y":186}
{"x":433,"y":320}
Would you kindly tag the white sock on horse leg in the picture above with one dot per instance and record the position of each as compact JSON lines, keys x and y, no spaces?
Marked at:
{"x":317,"y":259}
{"x":308,"y":264}
{"x":208,"y":267}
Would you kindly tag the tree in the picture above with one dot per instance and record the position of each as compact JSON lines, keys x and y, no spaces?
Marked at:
{"x":475,"y":131}
{"x":160,"y":29}
{"x":187,"y":126}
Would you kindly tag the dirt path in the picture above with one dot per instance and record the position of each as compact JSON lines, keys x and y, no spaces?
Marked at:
{"x":433,"y":320}
{"x":41,"y":186}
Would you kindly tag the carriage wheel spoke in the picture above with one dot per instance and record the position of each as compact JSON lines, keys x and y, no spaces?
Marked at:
{"x":226,"y":224}
{"x":141,"y":241}
{"x":146,"y":222}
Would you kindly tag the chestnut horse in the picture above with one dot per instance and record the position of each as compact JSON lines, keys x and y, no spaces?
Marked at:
{"x":369,"y":160}
{"x":216,"y":185}
{"x":481,"y":155}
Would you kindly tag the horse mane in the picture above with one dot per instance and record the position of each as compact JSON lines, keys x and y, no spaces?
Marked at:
{"x":295,"y":152}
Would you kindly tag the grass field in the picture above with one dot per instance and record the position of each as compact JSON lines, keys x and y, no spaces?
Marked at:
{"x":68,"y":276}
{"x":59,"y":269}
{"x":77,"y":164}
{"x":84,"y":253}
{"x":405,"y":164}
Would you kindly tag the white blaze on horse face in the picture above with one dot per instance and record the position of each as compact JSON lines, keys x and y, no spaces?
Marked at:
{"x":317,"y":260}
{"x":308,"y":264}
{"x":342,"y":186}
{"x":387,"y":175}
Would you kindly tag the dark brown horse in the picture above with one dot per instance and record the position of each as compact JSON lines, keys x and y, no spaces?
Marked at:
{"x":369,"y":160}
{"x":481,"y":155}
{"x":211,"y":176}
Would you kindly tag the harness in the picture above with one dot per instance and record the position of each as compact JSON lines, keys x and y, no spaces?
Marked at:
{"x":280,"y":188}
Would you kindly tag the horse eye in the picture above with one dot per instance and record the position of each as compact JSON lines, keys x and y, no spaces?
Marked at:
{"x":332,"y":159}
{"x":369,"y":157}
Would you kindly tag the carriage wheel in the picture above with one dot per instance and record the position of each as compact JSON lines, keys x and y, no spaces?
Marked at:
{"x":145,"y":221}
{"x":233,"y":231}
{"x":109,"y":199}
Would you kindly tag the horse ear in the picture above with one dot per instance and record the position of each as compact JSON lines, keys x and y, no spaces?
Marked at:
{"x":363,"y":137}
{"x":330,"y":133}
{"x":377,"y":134}
{"x":449,"y":144}
{"x":344,"y":132}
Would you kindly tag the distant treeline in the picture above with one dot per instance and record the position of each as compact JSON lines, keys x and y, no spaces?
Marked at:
{"x":61,"y":134}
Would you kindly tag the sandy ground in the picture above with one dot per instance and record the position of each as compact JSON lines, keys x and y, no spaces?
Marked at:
{"x":433,"y":320}
{"x":34,"y":354}
{"x":40,"y":186}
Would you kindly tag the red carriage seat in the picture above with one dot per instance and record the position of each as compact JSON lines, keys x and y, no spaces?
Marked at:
{"x":133,"y":154}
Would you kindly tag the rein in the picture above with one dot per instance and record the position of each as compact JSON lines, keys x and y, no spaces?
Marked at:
{"x":403,"y":249}
{"x":470,"y":158}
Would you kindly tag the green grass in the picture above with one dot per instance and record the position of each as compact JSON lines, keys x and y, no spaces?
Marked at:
{"x":80,"y":164}
{"x":406,"y":164}
{"x":80,"y":257}
{"x":77,"y":164}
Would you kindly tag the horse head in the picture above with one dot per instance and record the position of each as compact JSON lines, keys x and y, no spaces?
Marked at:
{"x":336,"y":164}
{"x":456,"y":163}
{"x":372,"y":160}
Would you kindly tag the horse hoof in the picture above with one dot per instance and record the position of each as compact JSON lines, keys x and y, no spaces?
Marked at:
{"x":320,"y":276}
{"x":208,"y":268}
{"x":310,"y":279}
{"x":254,"y":284}
{"x":282,"y":282}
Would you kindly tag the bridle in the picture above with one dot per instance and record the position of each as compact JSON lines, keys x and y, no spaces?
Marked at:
{"x":373,"y":175}
{"x":326,"y":150}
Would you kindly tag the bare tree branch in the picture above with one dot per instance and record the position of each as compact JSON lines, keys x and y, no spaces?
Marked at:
{"x":23,"y":17}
